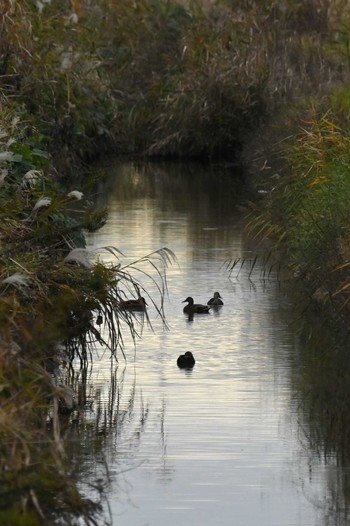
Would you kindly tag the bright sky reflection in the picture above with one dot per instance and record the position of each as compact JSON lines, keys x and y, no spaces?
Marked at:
{"x":219,"y":445}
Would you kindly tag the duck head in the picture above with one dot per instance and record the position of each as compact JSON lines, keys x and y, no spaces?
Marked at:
{"x":188,"y":300}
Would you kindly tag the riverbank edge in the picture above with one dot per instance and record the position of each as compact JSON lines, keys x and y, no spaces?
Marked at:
{"x":54,"y":296}
{"x":301,"y":188}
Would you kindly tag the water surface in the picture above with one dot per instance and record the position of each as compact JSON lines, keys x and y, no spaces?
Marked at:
{"x":220,"y":444}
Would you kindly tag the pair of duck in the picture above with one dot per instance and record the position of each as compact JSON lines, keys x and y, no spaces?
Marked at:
{"x":197,"y":308}
{"x":187,"y":361}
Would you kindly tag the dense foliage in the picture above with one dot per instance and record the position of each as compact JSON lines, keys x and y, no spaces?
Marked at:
{"x":164,"y":78}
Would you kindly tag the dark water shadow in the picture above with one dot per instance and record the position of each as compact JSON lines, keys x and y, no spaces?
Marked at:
{"x":320,"y":382}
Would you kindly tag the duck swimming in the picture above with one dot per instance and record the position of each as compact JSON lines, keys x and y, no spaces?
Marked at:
{"x":186,"y":361}
{"x":194,"y":308}
{"x":134,"y":305}
{"x":216,"y":300}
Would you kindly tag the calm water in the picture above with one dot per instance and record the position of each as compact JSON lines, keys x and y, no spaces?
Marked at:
{"x":224,"y":443}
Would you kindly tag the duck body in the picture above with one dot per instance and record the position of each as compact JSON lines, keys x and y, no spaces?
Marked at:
{"x":194,"y":308}
{"x":216,"y":300}
{"x":134,"y":305}
{"x":186,"y":361}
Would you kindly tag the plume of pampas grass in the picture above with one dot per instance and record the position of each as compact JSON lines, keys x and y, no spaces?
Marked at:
{"x":80,"y":256}
{"x":75,"y":194}
{"x":30,"y":178}
{"x":17,"y":279}
{"x":43,"y":201}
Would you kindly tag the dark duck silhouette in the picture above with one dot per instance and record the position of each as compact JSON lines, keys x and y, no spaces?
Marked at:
{"x":194,"y":308}
{"x":134,"y":305}
{"x":186,"y":361}
{"x":216,"y":300}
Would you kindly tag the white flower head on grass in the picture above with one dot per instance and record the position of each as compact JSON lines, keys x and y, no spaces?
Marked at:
{"x":17,"y":279}
{"x":80,"y":256}
{"x":42,"y":202}
{"x":5,"y":156}
{"x":30,"y":178}
{"x":75,"y":194}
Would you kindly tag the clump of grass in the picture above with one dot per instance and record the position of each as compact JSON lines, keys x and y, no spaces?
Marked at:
{"x":307,"y":211}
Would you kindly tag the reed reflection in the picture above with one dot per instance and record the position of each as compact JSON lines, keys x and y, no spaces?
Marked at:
{"x":104,"y":437}
{"x":324,"y":416}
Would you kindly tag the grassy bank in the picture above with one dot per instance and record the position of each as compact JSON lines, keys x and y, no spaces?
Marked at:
{"x":305,"y":212}
{"x":160,"y":78}
{"x":252,"y":81}
{"x":55,"y":295}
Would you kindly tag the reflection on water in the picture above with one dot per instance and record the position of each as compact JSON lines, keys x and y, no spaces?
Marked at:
{"x":225,"y":442}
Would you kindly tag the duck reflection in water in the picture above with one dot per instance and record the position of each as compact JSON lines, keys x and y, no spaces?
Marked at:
{"x":186,"y":361}
{"x":216,"y":300}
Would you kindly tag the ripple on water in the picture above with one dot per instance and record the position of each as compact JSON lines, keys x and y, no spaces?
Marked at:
{"x":216,"y":445}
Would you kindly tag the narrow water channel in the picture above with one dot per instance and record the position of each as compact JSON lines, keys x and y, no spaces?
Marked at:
{"x":224,"y":443}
